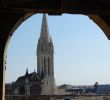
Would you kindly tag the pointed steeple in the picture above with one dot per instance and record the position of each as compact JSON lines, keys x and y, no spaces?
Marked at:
{"x":26,"y":72}
{"x":44,"y":48}
{"x":44,"y":29}
{"x":34,"y":70}
{"x":45,"y":59}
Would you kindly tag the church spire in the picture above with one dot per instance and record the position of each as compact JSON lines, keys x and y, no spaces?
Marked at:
{"x":44,"y":29}
{"x":45,"y":50}
{"x":45,"y":59}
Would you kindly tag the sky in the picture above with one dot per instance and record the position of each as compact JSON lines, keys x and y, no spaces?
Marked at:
{"x":81,"y":49}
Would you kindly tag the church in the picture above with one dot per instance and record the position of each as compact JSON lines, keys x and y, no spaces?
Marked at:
{"x":41,"y":82}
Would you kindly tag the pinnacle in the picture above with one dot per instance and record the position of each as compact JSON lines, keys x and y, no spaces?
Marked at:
{"x":44,"y":29}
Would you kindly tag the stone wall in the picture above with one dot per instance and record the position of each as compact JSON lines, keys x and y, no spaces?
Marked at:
{"x":93,"y":98}
{"x":53,"y":98}
{"x":27,"y":98}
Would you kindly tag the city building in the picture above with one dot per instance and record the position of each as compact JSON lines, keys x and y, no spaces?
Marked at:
{"x":42,"y":82}
{"x":99,"y":89}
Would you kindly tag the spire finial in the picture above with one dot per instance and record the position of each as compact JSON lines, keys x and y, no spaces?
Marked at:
{"x":44,"y":20}
{"x":26,"y":72}
{"x":44,"y":28}
{"x":34,"y":70}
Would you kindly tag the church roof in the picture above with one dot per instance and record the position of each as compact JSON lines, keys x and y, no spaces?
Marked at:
{"x":31,"y":77}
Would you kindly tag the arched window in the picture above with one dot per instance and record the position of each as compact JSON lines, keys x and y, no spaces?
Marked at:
{"x":45,"y":66}
{"x":48,"y":66}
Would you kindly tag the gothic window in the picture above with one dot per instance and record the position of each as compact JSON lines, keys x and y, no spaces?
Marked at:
{"x":22,"y":90}
{"x":41,"y":47}
{"x":42,"y":63}
{"x":48,"y":66}
{"x":45,"y":65}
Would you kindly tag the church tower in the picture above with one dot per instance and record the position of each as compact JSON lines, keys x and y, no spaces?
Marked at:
{"x":45,"y":59}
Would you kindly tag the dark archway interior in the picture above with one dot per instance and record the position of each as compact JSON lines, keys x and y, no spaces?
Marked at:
{"x":14,"y":12}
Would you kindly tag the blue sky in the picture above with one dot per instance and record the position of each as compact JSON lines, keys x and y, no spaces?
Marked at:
{"x":81,"y":50}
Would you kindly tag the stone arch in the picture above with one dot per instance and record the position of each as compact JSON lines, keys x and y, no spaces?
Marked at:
{"x":4,"y":39}
{"x":3,"y":48}
{"x":102,"y":23}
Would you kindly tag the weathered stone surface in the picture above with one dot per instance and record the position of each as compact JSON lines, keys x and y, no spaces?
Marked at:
{"x":55,"y":98}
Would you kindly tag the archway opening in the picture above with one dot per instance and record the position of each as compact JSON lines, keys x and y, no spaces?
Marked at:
{"x":74,"y":38}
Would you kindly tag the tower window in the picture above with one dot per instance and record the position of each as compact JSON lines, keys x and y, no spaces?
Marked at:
{"x":45,"y":65}
{"x":48,"y":66}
